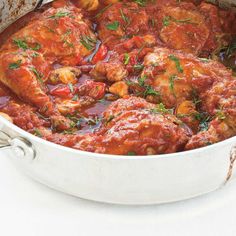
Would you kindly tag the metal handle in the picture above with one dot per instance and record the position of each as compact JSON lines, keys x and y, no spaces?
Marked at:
{"x":232,"y":161}
{"x":20,"y":146}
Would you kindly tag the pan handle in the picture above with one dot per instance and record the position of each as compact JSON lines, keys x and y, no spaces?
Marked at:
{"x":232,"y":163}
{"x":21,"y":147}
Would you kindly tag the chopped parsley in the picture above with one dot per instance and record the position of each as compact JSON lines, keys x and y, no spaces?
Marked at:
{"x":177,"y":63}
{"x":103,"y":10}
{"x":21,"y":43}
{"x":172,"y":79}
{"x":71,"y":87}
{"x":160,"y":108}
{"x":113,"y":26}
{"x":125,"y":18}
{"x":138,"y":67}
{"x":38,"y":133}
{"x":88,"y":42}
{"x":38,"y":75}
{"x":110,"y":118}
{"x":166,"y":20}
{"x":220,"y":115}
{"x":131,"y":153}
{"x":148,"y":88}
{"x":59,"y":14}
{"x":141,"y":3}
{"x":15,"y":65}
{"x":75,"y":97}
{"x":204,"y":119}
{"x":126,"y":59}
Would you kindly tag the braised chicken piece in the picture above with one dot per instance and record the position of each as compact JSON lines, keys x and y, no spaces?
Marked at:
{"x":193,"y":85}
{"x":60,"y":34}
{"x":121,"y":21}
{"x":133,"y":126}
{"x":122,"y":77}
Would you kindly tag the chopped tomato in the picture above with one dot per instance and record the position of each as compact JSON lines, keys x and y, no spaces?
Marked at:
{"x":100,"y":55}
{"x":95,"y":90}
{"x":62,"y":91}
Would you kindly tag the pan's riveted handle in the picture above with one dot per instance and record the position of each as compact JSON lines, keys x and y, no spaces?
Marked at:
{"x":21,"y":147}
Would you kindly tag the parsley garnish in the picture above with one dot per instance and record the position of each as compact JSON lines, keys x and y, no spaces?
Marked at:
{"x":148,"y":88}
{"x":177,"y":63}
{"x":88,"y":42}
{"x":141,"y":3}
{"x":20,"y":43}
{"x":23,"y":44}
{"x":113,"y":26}
{"x":71,"y":87}
{"x":220,"y":115}
{"x":138,"y":67}
{"x":75,"y":98}
{"x":160,"y":108}
{"x":126,"y":59}
{"x":131,"y":153}
{"x":103,"y":10}
{"x":38,"y":133}
{"x":38,"y":75}
{"x":172,"y":78}
{"x":59,"y":15}
{"x":124,"y":17}
{"x":166,"y":20}
{"x":15,"y":65}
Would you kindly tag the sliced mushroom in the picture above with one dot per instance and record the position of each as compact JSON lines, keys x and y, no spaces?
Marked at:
{"x":64,"y":75}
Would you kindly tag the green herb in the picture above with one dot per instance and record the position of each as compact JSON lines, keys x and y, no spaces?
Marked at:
{"x":113,"y":26}
{"x":177,"y":63}
{"x":126,"y":59}
{"x":205,"y":60}
{"x":35,"y":54}
{"x":148,"y":88}
{"x":172,"y":78}
{"x":68,"y":43}
{"x":166,"y":20}
{"x":75,"y":98}
{"x":231,"y":48}
{"x":150,"y":91}
{"x":38,"y":133}
{"x":88,"y":42}
{"x":220,"y":115}
{"x":152,"y":22}
{"x":103,"y":10}
{"x":110,"y":118}
{"x":71,"y":87}
{"x":23,"y":44}
{"x":141,"y":80}
{"x":38,"y":75}
{"x":59,"y":14}
{"x":124,"y":17}
{"x":204,"y":119}
{"x":160,"y":108}
{"x":131,"y":153}
{"x":36,"y":47}
{"x":15,"y":65}
{"x":20,"y":43}
{"x":138,"y":67}
{"x":141,"y":3}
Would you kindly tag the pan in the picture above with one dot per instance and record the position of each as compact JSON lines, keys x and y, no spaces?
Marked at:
{"x":115,"y":179}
